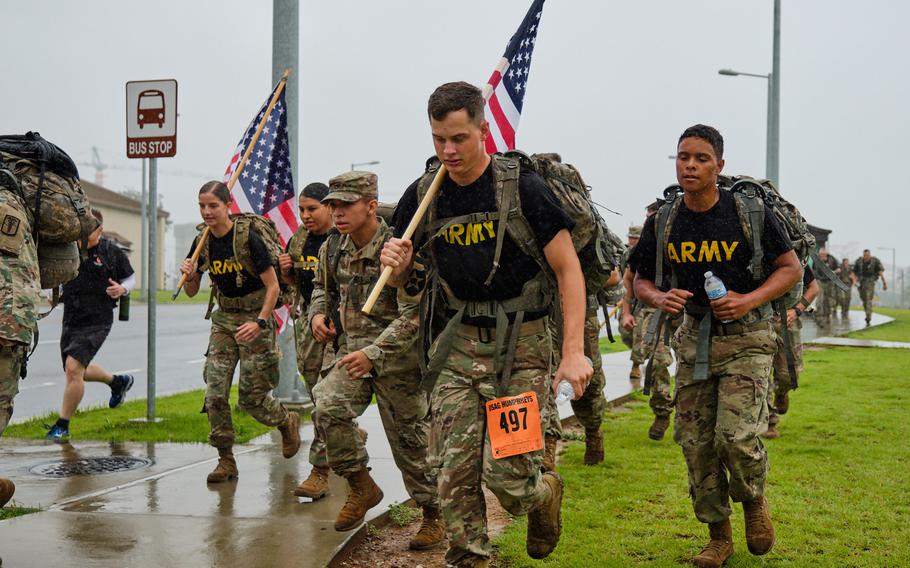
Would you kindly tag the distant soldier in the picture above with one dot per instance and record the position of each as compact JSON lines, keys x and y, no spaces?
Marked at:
{"x":826,"y":303}
{"x":376,"y":357}
{"x":88,"y":301}
{"x":781,"y":381}
{"x":844,"y":298}
{"x":867,"y":269}
{"x":631,"y":312}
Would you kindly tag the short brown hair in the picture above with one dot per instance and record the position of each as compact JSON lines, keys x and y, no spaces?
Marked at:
{"x":218,"y":189}
{"x":452,"y":97}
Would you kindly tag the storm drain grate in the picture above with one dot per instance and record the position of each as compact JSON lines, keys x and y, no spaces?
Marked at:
{"x":90,"y":466}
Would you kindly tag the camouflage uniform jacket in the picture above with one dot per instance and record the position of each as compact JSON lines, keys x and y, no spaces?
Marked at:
{"x":388,"y":333}
{"x":19,"y":276}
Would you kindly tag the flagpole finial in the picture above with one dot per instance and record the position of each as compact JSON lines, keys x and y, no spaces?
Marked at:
{"x":287,"y":73}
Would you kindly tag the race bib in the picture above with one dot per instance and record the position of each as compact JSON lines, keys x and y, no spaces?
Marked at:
{"x":514,"y":425}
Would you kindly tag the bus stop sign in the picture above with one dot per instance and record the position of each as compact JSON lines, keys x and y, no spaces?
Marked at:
{"x":151,"y":119}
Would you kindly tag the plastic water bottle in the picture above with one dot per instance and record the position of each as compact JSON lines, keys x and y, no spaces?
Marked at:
{"x":715,"y":289}
{"x":564,"y":390}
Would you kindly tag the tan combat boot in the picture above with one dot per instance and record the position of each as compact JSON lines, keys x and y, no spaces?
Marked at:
{"x":7,"y":488}
{"x":635,"y":373}
{"x":719,"y":549}
{"x":363,"y":435}
{"x":316,"y":485}
{"x":759,"y":530}
{"x":290,"y":435}
{"x":772,"y":431}
{"x":226,"y":468}
{"x":549,"y":452}
{"x":545,"y":520}
{"x":594,"y":446}
{"x":782,"y":403}
{"x":432,"y":530}
{"x":659,"y":427}
{"x":363,"y":495}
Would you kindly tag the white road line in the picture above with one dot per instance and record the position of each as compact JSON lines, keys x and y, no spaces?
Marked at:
{"x":46,"y":341}
{"x":37,"y":386}
{"x":127,"y":371}
{"x":194,"y":361}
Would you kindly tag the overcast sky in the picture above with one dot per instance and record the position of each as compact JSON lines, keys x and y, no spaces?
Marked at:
{"x":611,"y":86}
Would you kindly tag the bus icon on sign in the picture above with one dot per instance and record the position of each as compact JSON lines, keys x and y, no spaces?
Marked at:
{"x":150,"y":108}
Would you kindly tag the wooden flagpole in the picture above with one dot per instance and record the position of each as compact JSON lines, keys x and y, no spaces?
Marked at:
{"x":246,"y":155}
{"x":408,"y":233}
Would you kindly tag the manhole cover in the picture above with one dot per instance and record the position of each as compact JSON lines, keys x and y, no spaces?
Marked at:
{"x":90,"y":466}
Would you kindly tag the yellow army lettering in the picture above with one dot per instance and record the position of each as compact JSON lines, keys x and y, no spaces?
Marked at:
{"x":708,"y":251}
{"x":225,"y":267}
{"x":307,"y":263}
{"x":470,"y":234}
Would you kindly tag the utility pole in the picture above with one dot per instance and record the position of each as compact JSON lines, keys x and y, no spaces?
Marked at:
{"x":285,"y":55}
{"x":773,"y":149}
{"x":143,"y":237}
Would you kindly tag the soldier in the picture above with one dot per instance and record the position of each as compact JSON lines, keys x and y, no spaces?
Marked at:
{"x":867,"y":269}
{"x":844,"y":297}
{"x":105,"y":274}
{"x":472,"y":362}
{"x":19,"y":272}
{"x":826,"y":303}
{"x":781,"y":381}
{"x":725,"y":346}
{"x":243,"y":329}
{"x":630,"y":312}
{"x":298,"y":267}
{"x":374,"y":357}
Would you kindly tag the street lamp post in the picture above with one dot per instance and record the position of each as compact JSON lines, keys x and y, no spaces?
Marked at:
{"x":356,"y":164}
{"x":772,"y":152}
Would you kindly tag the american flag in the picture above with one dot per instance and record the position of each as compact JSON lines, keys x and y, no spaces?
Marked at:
{"x":505,"y":90}
{"x":266,"y":186}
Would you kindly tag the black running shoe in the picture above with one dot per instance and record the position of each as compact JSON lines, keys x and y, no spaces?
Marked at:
{"x":119,"y":386}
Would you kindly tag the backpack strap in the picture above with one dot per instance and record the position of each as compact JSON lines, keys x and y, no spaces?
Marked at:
{"x":663,"y":224}
{"x":750,"y":208}
{"x":781,"y":310}
{"x":506,"y":171}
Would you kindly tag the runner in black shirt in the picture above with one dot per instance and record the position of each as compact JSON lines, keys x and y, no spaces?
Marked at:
{"x":471,"y":350}
{"x":243,"y":329}
{"x":725,"y":347}
{"x":88,"y":302}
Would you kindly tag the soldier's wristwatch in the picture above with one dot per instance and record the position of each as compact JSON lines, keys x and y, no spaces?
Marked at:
{"x":261,"y":323}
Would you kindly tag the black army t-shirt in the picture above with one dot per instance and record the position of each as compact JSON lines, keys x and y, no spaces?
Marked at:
{"x":464,"y":254}
{"x":223,"y":266}
{"x":710,"y":240}
{"x":308,"y":260}
{"x":85,"y":299}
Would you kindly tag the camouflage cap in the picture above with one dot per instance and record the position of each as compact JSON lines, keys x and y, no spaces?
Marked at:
{"x":353,"y":186}
{"x":635,"y":231}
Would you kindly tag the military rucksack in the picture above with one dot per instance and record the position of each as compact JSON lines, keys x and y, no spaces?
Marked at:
{"x":47,"y":181}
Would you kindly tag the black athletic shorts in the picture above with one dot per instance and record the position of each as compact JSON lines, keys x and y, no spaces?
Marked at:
{"x":82,"y":343}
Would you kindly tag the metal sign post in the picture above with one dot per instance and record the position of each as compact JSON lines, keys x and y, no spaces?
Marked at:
{"x":151,"y":132}
{"x":143,"y":237}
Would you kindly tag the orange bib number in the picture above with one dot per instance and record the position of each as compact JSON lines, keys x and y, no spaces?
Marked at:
{"x":514,"y":425}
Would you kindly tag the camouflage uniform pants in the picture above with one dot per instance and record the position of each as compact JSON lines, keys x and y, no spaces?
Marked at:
{"x":403,"y":410}
{"x":11,"y":356}
{"x":661,"y":400}
{"x":589,"y":409}
{"x":781,"y":382}
{"x":459,"y":441}
{"x":309,"y":363}
{"x":641,"y":351}
{"x":826,"y":300}
{"x":258,"y":375}
{"x":844,"y":297}
{"x":718,"y":421}
{"x":866,"y":294}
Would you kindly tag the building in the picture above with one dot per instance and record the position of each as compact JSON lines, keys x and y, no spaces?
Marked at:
{"x":123,"y":224}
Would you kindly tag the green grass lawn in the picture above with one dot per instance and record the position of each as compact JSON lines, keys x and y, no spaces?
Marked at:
{"x":181,"y":421}
{"x":164,"y":297}
{"x":838,"y":486}
{"x":11,"y":511}
{"x":607,"y":347}
{"x":898,"y":330}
